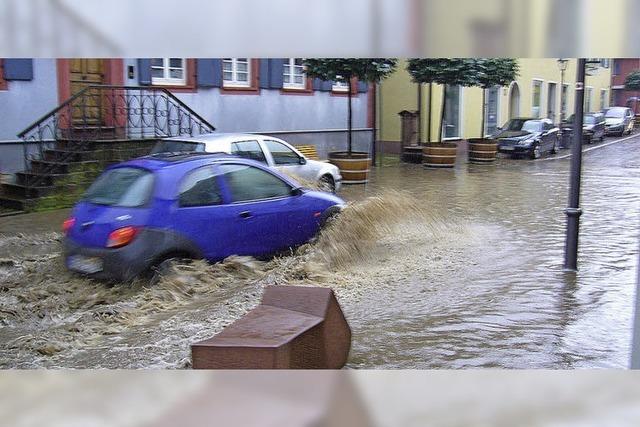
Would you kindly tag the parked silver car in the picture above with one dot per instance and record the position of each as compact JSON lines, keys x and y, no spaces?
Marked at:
{"x":619,"y":120}
{"x":274,"y":152}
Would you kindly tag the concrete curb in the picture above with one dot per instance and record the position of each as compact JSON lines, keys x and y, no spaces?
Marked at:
{"x":586,"y":150}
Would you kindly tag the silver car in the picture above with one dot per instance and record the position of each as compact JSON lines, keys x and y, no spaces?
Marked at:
{"x":274,"y":152}
{"x":619,"y":120}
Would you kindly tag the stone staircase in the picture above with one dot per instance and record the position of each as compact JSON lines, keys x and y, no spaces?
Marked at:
{"x":70,"y":153}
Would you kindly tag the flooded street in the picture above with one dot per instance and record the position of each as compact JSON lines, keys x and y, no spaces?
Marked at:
{"x":434,"y":269}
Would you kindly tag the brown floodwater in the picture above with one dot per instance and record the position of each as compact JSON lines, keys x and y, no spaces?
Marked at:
{"x":434,"y":269}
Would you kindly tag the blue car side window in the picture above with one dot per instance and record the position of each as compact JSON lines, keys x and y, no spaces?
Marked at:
{"x":247,"y":183}
{"x":200,"y":188}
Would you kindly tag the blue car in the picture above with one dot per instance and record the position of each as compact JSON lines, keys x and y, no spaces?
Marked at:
{"x":142,"y":212}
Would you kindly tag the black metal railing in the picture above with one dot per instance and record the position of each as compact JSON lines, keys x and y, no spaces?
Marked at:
{"x":109,"y":113}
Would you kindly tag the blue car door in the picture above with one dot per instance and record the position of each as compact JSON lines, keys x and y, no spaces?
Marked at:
{"x":200,"y":213}
{"x":266,"y":215}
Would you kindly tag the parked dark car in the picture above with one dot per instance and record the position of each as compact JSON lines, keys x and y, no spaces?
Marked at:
{"x":593,"y":127}
{"x":527,"y":137}
{"x":619,"y":120}
{"x":141,"y":213}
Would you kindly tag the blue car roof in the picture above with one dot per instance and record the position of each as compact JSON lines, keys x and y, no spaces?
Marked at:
{"x":162,"y":160}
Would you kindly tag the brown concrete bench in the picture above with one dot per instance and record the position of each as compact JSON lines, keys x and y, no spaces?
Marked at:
{"x":294,"y":327}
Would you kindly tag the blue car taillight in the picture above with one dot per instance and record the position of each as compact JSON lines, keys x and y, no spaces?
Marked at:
{"x":121,"y":237}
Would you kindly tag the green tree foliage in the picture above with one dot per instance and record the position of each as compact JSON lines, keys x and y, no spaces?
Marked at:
{"x":496,"y":72}
{"x":632,"y":82}
{"x":371,"y":70}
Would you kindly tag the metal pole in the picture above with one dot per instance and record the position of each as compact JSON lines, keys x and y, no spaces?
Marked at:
{"x":573,"y":211}
{"x":635,"y":341}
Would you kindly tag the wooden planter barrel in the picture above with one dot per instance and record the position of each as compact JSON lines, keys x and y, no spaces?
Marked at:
{"x":412,"y":154}
{"x":442,"y":155}
{"x":354,"y":167}
{"x":482,"y":150}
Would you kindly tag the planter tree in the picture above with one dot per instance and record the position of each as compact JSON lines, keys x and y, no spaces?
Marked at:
{"x":492,"y":72}
{"x":370,"y":70}
{"x":632,"y":82}
{"x":444,"y":71}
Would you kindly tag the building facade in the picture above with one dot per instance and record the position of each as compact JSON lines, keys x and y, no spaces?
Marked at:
{"x":271,"y":96}
{"x":621,"y":68}
{"x":535,"y":93}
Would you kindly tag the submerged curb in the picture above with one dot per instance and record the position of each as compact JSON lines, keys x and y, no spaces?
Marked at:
{"x":586,"y":150}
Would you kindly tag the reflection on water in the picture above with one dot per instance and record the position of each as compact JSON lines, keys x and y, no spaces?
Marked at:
{"x":444,"y":268}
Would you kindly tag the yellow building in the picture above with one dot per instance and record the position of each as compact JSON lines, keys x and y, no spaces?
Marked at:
{"x":535,"y":93}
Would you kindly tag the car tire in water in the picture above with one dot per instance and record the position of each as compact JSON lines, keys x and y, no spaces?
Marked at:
{"x":326,"y":183}
{"x":535,"y":152}
{"x":163,"y":267}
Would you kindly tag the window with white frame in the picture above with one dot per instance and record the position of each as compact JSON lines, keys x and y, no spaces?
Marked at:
{"x":587,"y":99}
{"x":236,"y":72}
{"x":604,"y":99}
{"x":168,"y":71}
{"x":536,"y":97}
{"x":293,"y":74}
{"x":452,"y":113}
{"x":340,"y":85}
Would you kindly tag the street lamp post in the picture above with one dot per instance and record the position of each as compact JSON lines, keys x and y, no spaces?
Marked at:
{"x":573,"y":210}
{"x":562,"y":65}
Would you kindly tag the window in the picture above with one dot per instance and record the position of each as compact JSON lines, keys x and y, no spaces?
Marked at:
{"x":340,"y":85}
{"x":294,"y":76}
{"x":451,"y":125}
{"x":604,"y":99}
{"x":168,"y":71}
{"x":248,"y":183}
{"x":200,"y":188}
{"x":616,"y":67}
{"x":536,"y":98}
{"x":123,"y":187}
{"x":282,"y":155}
{"x":587,"y":99}
{"x":236,"y":72}
{"x":248,"y":150}
{"x":491,"y":110}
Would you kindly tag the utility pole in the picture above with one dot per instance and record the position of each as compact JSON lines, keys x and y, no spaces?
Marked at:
{"x":573,"y":210}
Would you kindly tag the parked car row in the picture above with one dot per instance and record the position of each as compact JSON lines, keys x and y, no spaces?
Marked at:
{"x":532,"y":137}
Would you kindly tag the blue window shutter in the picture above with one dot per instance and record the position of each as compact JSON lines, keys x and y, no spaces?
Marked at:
{"x":276,"y":71}
{"x":209,"y":72}
{"x":264,"y":73}
{"x":327,"y":85}
{"x":144,"y":72}
{"x":317,"y":84}
{"x":363,"y":87}
{"x":18,"y":69}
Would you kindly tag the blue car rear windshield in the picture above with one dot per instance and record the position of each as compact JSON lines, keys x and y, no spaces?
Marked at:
{"x":171,"y":146}
{"x":122,"y":187}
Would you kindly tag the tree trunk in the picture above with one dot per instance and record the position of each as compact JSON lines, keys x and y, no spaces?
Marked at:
{"x":444,"y":104}
{"x":375,"y":118}
{"x":429,"y":114}
{"x":350,"y":120}
{"x":484,"y":106}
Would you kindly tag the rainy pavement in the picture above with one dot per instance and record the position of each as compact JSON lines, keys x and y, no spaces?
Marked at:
{"x":434,"y":269}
